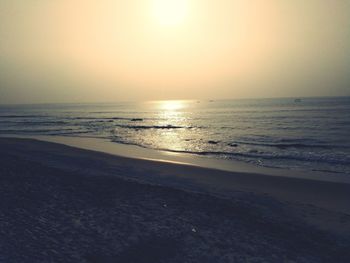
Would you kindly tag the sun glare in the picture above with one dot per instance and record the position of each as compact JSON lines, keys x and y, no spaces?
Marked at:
{"x":171,"y":105}
{"x":170,"y":12}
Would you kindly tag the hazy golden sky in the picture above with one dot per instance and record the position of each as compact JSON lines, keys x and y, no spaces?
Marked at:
{"x":111,"y":50}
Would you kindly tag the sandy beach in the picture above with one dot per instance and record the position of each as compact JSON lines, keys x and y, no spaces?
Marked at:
{"x":65,"y":204}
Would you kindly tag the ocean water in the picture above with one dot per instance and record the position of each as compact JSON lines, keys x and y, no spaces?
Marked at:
{"x":303,"y":134}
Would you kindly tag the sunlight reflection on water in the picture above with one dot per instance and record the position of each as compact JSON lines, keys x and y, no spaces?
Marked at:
{"x":311,"y":134}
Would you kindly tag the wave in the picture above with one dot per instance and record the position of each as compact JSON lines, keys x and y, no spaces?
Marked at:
{"x":253,"y":155}
{"x":145,"y":127}
{"x":110,"y":119}
{"x":38,"y":117}
{"x":72,"y":133}
{"x":39,"y":131}
{"x":290,"y":143}
{"x":257,"y":156}
{"x":97,"y":119}
{"x":21,"y":116}
{"x":43,"y":123}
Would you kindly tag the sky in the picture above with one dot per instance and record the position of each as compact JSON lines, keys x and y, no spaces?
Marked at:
{"x":126,"y":50}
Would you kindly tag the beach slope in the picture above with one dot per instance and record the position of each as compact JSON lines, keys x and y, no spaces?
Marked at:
{"x":64,"y":204}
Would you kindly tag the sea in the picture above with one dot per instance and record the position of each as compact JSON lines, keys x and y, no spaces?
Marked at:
{"x":294,"y":133}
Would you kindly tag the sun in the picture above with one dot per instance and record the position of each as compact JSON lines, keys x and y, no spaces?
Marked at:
{"x":172,"y":105}
{"x":170,"y":12}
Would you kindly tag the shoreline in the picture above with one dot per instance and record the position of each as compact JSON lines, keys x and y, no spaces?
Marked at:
{"x":60,"y":202}
{"x":137,"y":152}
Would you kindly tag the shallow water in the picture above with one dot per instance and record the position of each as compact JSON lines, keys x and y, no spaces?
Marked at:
{"x":310,"y":134}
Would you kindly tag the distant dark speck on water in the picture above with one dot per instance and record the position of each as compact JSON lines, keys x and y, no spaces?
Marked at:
{"x":213,"y":142}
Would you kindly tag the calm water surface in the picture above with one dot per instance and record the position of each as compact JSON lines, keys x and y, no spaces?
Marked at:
{"x":306,"y":134}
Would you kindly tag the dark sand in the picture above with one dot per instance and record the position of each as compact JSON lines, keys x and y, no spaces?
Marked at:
{"x":63,"y":204}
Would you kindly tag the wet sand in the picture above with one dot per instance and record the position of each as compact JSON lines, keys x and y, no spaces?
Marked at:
{"x":64,"y":204}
